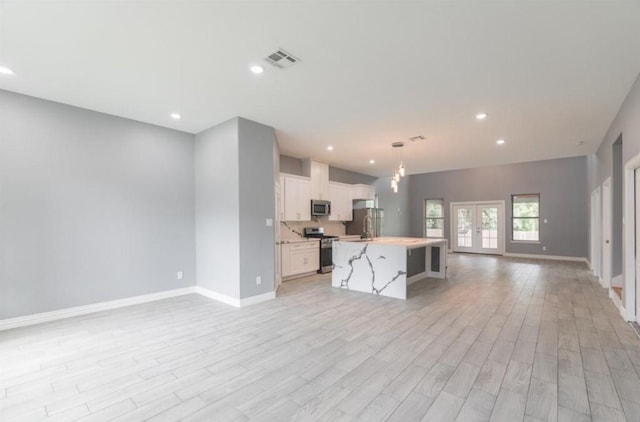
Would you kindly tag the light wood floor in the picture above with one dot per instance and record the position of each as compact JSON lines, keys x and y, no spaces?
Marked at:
{"x":501,"y":339}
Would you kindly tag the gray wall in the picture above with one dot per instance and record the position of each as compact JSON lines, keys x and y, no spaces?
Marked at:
{"x":257,"y":203}
{"x":562,"y":185}
{"x":395,"y":205}
{"x":292,"y":165}
{"x":217,"y":209}
{"x":235,"y":194}
{"x":92,"y":207}
{"x":627,"y":124}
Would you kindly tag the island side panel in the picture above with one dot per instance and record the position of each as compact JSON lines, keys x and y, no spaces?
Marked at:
{"x":370,"y":268}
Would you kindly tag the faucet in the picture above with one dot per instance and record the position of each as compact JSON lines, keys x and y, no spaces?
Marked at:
{"x":367,"y":231}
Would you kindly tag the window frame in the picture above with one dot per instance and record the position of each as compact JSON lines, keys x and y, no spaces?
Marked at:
{"x":425,"y":218}
{"x":513,"y":218}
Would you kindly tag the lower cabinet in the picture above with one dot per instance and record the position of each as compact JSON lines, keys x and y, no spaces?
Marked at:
{"x":300,"y":258}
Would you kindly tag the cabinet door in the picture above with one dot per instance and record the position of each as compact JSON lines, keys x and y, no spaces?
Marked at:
{"x":313,"y":260}
{"x":319,"y":181}
{"x":285,"y":255}
{"x":304,"y":200}
{"x":347,"y":213}
{"x":335,"y":196}
{"x":290,"y":199}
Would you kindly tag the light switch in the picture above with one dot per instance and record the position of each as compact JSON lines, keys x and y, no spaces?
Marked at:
{"x":269,"y":222}
{"x":545,"y":221}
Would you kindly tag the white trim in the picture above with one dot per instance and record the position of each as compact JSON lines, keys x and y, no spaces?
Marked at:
{"x":218,"y":296}
{"x":616,"y":301}
{"x":617,"y":281}
{"x":589,"y":264}
{"x":22,"y":321}
{"x":550,"y":257}
{"x":629,"y":237}
{"x":257,"y":299}
{"x":238,"y":303}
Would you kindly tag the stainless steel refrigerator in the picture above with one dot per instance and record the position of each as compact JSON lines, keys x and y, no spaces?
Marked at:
{"x":357,"y":225}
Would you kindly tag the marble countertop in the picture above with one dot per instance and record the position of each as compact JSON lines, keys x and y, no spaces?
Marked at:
{"x":407,"y":242}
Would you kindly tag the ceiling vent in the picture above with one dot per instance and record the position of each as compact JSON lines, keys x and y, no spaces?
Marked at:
{"x":281,"y":59}
{"x":417,"y":138}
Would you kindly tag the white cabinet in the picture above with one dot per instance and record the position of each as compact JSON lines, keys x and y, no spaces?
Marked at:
{"x":341,"y":206}
{"x":297,"y":198}
{"x":300,"y":258}
{"x":363,"y":192}
{"x":319,"y":174}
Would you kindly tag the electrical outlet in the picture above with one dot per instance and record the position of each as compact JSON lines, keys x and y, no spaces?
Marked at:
{"x":180,"y":275}
{"x":544,"y":248}
{"x":258,"y":280}
{"x":269,"y":222}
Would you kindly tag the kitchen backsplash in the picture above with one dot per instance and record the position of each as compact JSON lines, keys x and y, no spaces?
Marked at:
{"x":294,"y":229}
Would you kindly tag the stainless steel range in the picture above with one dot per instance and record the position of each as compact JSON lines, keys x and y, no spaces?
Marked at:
{"x":326,"y":247}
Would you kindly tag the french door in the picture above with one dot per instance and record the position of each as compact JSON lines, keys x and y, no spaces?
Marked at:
{"x":478,"y":227}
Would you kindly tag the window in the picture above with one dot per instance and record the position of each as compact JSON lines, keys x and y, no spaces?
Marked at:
{"x":434,"y":217}
{"x":526,"y":217}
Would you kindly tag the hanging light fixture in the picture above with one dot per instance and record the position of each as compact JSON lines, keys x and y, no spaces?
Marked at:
{"x":400,"y":171}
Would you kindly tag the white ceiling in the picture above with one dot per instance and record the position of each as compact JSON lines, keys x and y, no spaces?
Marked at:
{"x":550,"y":74}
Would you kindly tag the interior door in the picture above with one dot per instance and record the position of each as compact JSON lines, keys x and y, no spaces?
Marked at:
{"x":606,"y":233}
{"x":478,"y":228}
{"x":637,"y":236}
{"x":277,"y":236}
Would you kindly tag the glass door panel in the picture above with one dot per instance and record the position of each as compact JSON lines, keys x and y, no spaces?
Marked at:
{"x":489,"y":227}
{"x":464,"y":240}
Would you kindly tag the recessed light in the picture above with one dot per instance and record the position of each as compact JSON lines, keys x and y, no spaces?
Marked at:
{"x":257,"y":69}
{"x":372,"y":161}
{"x":4,"y":70}
{"x":481,"y":116}
{"x":330,"y":148}
{"x":500,"y":141}
{"x":176,"y":116}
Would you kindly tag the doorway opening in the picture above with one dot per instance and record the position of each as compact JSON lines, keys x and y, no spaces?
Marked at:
{"x":478,"y":227}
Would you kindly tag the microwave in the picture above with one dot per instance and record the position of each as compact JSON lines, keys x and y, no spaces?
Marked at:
{"x":319,"y":207}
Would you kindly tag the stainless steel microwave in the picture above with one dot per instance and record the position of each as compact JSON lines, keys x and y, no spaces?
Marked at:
{"x":319,"y":207}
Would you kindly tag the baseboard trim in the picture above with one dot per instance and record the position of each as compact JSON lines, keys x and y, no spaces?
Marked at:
{"x":617,"y":281}
{"x":550,"y":257}
{"x":616,"y":301}
{"x":238,"y":303}
{"x":589,"y":264}
{"x":23,"y":321}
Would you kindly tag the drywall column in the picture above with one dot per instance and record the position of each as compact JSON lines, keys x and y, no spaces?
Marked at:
{"x":235,"y":195}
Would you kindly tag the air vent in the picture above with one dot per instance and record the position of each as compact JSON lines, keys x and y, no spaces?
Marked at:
{"x":417,"y":138}
{"x":281,"y":59}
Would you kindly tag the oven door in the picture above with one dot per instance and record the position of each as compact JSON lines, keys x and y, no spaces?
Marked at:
{"x":326,"y":256}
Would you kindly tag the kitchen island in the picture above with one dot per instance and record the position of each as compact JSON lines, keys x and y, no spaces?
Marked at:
{"x":387,"y":265}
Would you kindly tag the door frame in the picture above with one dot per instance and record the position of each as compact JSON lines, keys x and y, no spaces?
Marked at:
{"x":606,"y":233}
{"x":629,"y":239}
{"x":596,"y":236}
{"x":502,"y":235}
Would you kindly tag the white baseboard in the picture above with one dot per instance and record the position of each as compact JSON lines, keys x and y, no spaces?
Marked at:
{"x":23,"y":321}
{"x":550,"y":257}
{"x":238,"y":303}
{"x":9,"y":323}
{"x":617,"y":281}
{"x":589,"y":264}
{"x":616,"y":301}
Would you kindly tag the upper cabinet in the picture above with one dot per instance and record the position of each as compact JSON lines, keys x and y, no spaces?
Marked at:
{"x":363,"y":192}
{"x":341,"y":206}
{"x":319,"y":175}
{"x":297,"y":197}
